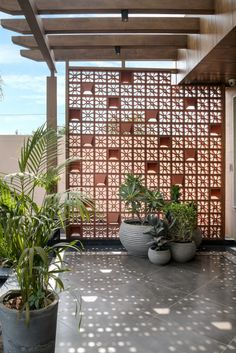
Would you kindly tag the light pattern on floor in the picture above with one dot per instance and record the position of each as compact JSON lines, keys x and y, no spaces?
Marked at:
{"x":130,"y":305}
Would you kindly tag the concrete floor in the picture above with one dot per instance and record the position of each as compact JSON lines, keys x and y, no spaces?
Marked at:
{"x":132,"y":306}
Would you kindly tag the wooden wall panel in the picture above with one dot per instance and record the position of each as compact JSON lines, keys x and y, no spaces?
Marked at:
{"x":213,"y":28}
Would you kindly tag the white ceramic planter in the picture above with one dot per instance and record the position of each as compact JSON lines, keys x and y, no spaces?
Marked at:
{"x":160,"y":257}
{"x":183,"y":252}
{"x":134,"y":240}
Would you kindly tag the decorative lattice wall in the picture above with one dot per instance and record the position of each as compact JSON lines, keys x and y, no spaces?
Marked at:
{"x":136,"y":121}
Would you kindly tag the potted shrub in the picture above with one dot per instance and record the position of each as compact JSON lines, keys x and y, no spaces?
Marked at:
{"x":159,"y":252}
{"x":183,"y":248}
{"x":175,"y":198}
{"x":140,"y":202}
{"x":29,"y":313}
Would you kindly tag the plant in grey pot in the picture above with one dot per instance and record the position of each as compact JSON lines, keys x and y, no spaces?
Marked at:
{"x":139,"y":202}
{"x":28,"y":314}
{"x":175,"y":198}
{"x":159,"y":252}
{"x":183,"y":248}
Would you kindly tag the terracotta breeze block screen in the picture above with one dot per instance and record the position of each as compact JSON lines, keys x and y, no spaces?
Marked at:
{"x":135,"y":121}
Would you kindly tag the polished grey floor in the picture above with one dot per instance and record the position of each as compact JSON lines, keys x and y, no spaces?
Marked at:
{"x":132,"y":306}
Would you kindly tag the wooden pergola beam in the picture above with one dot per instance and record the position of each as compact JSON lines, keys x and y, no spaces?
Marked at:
{"x":107,"y":25}
{"x":105,"y":54}
{"x":78,"y":41}
{"x":36,"y":26}
{"x":114,"y":6}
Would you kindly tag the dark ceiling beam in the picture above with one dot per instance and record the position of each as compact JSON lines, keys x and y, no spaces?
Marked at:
{"x":107,"y":25}
{"x":76,"y":41}
{"x":36,"y":26}
{"x":105,"y":54}
{"x":114,"y":6}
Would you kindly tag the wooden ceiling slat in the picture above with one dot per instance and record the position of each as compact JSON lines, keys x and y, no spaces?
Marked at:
{"x":106,"y":25}
{"x":105,"y":54}
{"x":76,"y":41}
{"x":113,"y":6}
{"x":36,"y":26}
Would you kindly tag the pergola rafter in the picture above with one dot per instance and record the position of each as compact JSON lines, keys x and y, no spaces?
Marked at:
{"x":107,"y":25}
{"x":191,"y":32}
{"x":114,"y":6}
{"x":105,"y":54}
{"x":98,"y":40}
{"x":35,"y":23}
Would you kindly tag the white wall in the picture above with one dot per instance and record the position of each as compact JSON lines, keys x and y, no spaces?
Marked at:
{"x":10,"y":146}
{"x":230,"y":211}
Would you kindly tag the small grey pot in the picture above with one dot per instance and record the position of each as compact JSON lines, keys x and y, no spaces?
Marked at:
{"x":159,"y":257}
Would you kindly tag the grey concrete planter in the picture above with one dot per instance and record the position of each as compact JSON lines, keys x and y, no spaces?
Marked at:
{"x":133,"y":239}
{"x":183,"y":252}
{"x":38,"y":337}
{"x":160,"y":257}
{"x":197,"y":237}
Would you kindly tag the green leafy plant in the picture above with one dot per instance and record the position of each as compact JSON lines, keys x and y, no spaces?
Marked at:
{"x":139,"y":200}
{"x":160,"y":231}
{"x":27,"y":227}
{"x":175,"y":193}
{"x":185,"y":215}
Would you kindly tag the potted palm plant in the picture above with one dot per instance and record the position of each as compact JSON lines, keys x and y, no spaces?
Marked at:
{"x":140,"y":202}
{"x":159,"y":251}
{"x":28,"y":314}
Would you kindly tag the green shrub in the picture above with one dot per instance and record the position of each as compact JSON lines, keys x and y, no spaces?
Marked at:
{"x":185,"y":215}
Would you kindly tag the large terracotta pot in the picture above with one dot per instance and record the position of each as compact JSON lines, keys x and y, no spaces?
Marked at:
{"x":133,"y":239}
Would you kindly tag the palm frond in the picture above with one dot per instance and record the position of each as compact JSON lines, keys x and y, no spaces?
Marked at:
{"x":39,"y":150}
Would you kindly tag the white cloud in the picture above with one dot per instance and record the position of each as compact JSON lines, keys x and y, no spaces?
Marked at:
{"x":25,"y":82}
{"x":33,"y":88}
{"x":60,"y":90}
{"x":95,"y":64}
{"x":10,"y":54}
{"x":4,"y":15}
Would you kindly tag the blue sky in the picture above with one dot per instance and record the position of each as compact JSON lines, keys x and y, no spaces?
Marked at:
{"x":23,"y":107}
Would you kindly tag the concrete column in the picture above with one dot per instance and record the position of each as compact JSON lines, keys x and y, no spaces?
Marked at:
{"x":52,"y":102}
{"x":52,"y":114}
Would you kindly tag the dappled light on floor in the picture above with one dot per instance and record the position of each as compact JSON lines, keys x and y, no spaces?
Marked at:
{"x":129,"y":305}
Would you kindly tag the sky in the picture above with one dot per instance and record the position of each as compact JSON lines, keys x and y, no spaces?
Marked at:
{"x":23,"y":107}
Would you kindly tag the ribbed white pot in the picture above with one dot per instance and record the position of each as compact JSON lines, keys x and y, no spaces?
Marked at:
{"x":134,"y":240}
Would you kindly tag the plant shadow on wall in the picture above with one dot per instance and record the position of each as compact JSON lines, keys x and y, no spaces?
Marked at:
{"x":29,"y":313}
